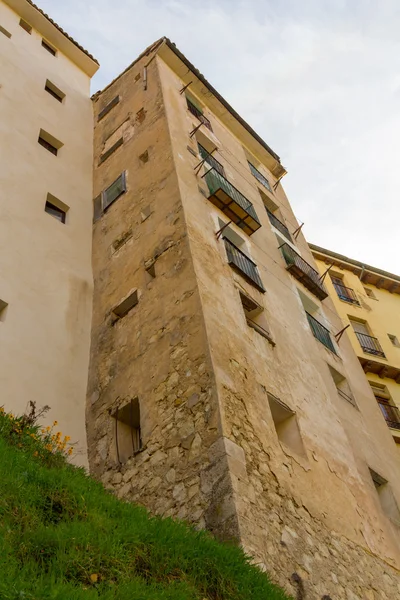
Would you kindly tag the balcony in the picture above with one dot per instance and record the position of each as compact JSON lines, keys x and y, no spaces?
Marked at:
{"x":211,"y":161}
{"x":345,"y":293}
{"x":198,"y":114}
{"x":370,"y":344}
{"x":278,"y":224}
{"x":390,"y":412}
{"x":232,"y":202}
{"x":260,"y":177}
{"x":301,"y":270}
{"x":242,"y":263}
{"x":321,"y":333}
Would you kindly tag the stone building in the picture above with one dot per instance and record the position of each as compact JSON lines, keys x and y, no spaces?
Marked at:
{"x":368,"y":301}
{"x":222,"y":389}
{"x":46,"y":135}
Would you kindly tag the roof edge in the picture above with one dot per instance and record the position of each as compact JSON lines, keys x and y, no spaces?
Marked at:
{"x":356,"y":263}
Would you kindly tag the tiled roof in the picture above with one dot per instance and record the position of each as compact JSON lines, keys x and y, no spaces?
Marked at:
{"x":62,"y":31}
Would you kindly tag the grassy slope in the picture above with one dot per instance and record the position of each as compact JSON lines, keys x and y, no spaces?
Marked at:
{"x":63,"y":536}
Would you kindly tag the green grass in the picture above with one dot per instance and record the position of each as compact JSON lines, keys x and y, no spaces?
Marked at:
{"x":62,"y":536}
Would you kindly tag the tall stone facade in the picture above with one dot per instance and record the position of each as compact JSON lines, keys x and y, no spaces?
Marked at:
{"x":186,"y":391}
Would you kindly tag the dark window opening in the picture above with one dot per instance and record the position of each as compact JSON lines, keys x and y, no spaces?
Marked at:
{"x":25,"y":26}
{"x":198,"y":113}
{"x":54,"y":91}
{"x":259,"y":176}
{"x":48,"y":146}
{"x":115,"y":190}
{"x":55,"y":212}
{"x":5,"y":32}
{"x":210,"y":160}
{"x":126,"y":305}
{"x":128,"y":438}
{"x":111,"y":150}
{"x":255,"y":317}
{"x":49,"y":48}
{"x":107,"y":108}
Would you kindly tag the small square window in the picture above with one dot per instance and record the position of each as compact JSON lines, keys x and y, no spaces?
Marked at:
{"x":55,"y":212}
{"x":286,"y":425}
{"x":107,"y":108}
{"x":49,"y":48}
{"x":127,"y":304}
{"x":3,"y":309}
{"x":342,"y":386}
{"x":386,"y":497}
{"x":25,"y":26}
{"x":370,"y":293}
{"x":394,"y":340}
{"x":54,"y":91}
{"x":128,"y":438}
{"x":5,"y":32}
{"x":255,"y":317}
{"x":49,"y":142}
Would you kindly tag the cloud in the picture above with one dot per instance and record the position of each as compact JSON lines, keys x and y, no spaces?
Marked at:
{"x":318,"y":79}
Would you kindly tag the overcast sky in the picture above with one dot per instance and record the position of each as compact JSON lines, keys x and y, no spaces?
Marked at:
{"x":319,"y":80}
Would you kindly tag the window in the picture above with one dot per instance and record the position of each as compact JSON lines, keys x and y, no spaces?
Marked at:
{"x":3,"y":309}
{"x":49,"y":142}
{"x":49,"y":48}
{"x":370,"y":293}
{"x":344,"y":293}
{"x":286,"y":425}
{"x":241,"y":263}
{"x":259,"y":176}
{"x":115,"y":190}
{"x":128,"y":438}
{"x":386,"y":497}
{"x":368,"y":343}
{"x":394,"y":340}
{"x":111,"y":150}
{"x":342,"y":386}
{"x":388,"y":408}
{"x":127,"y":304}
{"x":211,"y":160}
{"x":25,"y":26}
{"x":107,"y":108}
{"x":197,"y":111}
{"x":54,"y":91}
{"x":255,"y":317}
{"x":5,"y":32}
{"x":55,"y":212}
{"x":314,"y":318}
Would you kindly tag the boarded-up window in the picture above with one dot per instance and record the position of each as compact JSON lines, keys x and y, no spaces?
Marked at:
{"x":114,"y":191}
{"x":128,"y":438}
{"x":108,"y":107}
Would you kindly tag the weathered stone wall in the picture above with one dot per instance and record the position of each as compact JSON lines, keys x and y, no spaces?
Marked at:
{"x":158,"y":351}
{"x":316,"y":514}
{"x":211,"y":453}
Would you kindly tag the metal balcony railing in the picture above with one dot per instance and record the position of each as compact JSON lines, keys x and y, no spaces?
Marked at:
{"x":278,"y":224}
{"x":210,"y":160}
{"x":232,"y":202}
{"x":370,"y":344}
{"x":304,"y":272}
{"x":390,"y":412}
{"x":242,"y":263}
{"x":345,"y":293}
{"x":198,"y":114}
{"x":260,"y":177}
{"x":321,"y":333}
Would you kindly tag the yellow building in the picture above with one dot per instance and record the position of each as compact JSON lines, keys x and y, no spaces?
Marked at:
{"x":46,"y":133}
{"x":368,"y":299}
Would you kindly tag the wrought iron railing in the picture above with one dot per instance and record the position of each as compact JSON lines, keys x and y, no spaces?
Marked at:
{"x":211,"y":160}
{"x":370,"y":344}
{"x":278,"y":224}
{"x":345,"y":293}
{"x":216,"y":182}
{"x":391,"y":413}
{"x":243,"y":263}
{"x":321,"y":333}
{"x":259,"y":176}
{"x":303,"y":271}
{"x":198,"y":114}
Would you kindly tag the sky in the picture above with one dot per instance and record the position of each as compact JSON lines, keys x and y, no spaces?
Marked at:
{"x":319,"y":80}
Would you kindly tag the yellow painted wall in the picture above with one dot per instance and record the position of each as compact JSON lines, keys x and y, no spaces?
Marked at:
{"x":382,"y":315}
{"x":45,"y":266}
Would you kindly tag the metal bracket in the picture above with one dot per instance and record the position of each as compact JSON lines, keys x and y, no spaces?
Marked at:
{"x":322,"y":278}
{"x":219,"y":232}
{"x":339,"y":334}
{"x":191,"y":134}
{"x":185,"y":87}
{"x":295,"y":233}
